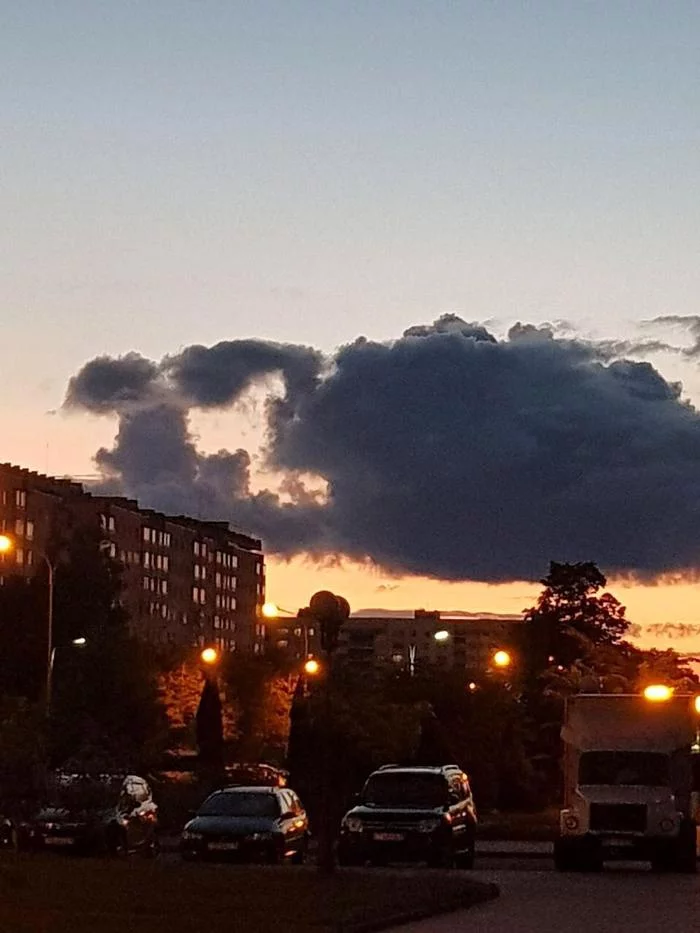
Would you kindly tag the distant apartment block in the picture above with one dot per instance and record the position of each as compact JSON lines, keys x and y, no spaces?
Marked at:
{"x":407,"y":642}
{"x":185,"y":581}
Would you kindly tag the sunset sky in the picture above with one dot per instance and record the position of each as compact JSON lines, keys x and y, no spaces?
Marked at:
{"x":179,"y":173}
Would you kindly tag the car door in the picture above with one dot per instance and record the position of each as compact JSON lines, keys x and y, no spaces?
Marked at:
{"x":145,"y":815}
{"x":458,"y":811}
{"x":299,"y":824}
{"x":129,"y":806}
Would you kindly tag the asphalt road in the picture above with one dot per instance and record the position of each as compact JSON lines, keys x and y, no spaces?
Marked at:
{"x":536,"y":899}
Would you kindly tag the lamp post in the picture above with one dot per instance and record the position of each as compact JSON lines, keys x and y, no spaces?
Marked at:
{"x":7,"y":544}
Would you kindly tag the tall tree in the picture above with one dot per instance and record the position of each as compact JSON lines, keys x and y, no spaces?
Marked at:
{"x":570,"y":618}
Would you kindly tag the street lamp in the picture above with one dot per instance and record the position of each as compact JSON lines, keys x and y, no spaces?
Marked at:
{"x":658,"y":693}
{"x":209,"y":656}
{"x":312,"y":667}
{"x":502,"y":659}
{"x":7,"y":544}
{"x":441,"y":636}
{"x":75,"y":643}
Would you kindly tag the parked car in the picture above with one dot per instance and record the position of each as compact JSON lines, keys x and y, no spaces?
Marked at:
{"x":411,"y":814}
{"x":89,"y":814}
{"x":249,"y":824}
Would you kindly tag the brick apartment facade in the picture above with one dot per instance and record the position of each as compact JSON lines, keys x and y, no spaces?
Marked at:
{"x":185,"y":581}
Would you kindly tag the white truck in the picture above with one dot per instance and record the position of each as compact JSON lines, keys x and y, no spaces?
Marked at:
{"x":631,"y":782}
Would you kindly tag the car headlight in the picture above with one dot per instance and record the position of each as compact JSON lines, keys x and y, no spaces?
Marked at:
{"x":353,"y":824}
{"x":571,"y":821}
{"x":261,"y":837}
{"x":428,"y":826}
{"x":191,"y":836}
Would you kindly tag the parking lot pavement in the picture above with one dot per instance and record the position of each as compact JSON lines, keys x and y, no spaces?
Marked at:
{"x":625,"y":898}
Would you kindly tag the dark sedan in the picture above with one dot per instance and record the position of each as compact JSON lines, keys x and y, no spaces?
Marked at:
{"x":112,"y":814}
{"x":266,"y":824}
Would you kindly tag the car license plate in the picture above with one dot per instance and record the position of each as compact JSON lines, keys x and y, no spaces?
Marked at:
{"x":222,"y":846}
{"x":389,"y":837}
{"x":59,"y":841}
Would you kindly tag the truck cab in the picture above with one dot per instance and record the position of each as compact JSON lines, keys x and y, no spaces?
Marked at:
{"x":631,"y":783}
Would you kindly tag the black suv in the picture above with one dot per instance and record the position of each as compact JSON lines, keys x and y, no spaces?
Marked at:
{"x":411,"y":814}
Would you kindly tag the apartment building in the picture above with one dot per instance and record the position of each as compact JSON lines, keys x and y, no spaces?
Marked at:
{"x":185,"y":581}
{"x":466,"y":643}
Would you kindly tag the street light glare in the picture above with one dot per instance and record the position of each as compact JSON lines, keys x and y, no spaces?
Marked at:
{"x":270,"y":610}
{"x":502,"y":659}
{"x":79,"y":642}
{"x":6,"y":544}
{"x":658,"y":693}
{"x":312,"y":667}
{"x":210,"y":655}
{"x":697,"y":704}
{"x":442,"y":635}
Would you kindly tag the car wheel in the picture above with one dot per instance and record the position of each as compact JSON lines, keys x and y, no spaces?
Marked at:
{"x":116,"y":843}
{"x":465,"y":859}
{"x":300,"y":856}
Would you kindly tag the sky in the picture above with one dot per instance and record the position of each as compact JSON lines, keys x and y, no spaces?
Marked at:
{"x":310,"y":172}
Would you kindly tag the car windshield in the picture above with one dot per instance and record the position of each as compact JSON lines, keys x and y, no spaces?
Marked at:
{"x":84,"y":793}
{"x":240,"y":804}
{"x":405,"y":789}
{"x":646,"y":769}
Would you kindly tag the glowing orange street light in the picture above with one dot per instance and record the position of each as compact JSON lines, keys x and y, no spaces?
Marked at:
{"x":658,"y":693}
{"x":312,"y":667}
{"x":270,"y":610}
{"x":502,"y":659}
{"x":209,"y":656}
{"x":6,"y":544}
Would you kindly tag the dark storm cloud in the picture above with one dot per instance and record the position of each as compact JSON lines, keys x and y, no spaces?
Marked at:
{"x":214,"y":377}
{"x":108,"y":384}
{"x":446,"y":452}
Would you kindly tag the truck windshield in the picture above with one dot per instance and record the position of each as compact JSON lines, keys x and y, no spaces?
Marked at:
{"x":646,"y":769}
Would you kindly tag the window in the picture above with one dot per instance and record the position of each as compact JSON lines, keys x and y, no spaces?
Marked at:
{"x":147,"y":534}
{"x":146,"y":584}
{"x":20,"y":498}
{"x":195,"y":547}
{"x":112,"y":550}
{"x":29,"y":533}
{"x":147,"y":559}
{"x":111,"y":524}
{"x":19,"y":556}
{"x":166,"y":563}
{"x":218,"y":580}
{"x":30,"y":558}
{"x":19,"y":527}
{"x":164,"y":587}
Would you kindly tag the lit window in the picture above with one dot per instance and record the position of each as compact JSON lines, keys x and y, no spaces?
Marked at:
{"x":146,"y":584}
{"x":30,"y":558}
{"x":146,"y":534}
{"x":19,"y":527}
{"x":146,"y":559}
{"x":20,"y":498}
{"x":166,"y":563}
{"x":112,"y":524}
{"x":164,"y":587}
{"x":19,"y":556}
{"x":29,"y":533}
{"x":218,"y":580}
{"x":103,"y":521}
{"x":195,"y":594}
{"x":196,"y":548}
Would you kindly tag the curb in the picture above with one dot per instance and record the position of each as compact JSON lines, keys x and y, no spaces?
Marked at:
{"x":485,"y":892}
